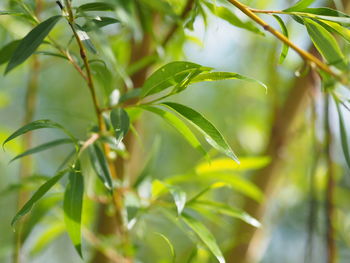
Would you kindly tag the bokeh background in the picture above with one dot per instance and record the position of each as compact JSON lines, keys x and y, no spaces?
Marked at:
{"x":244,"y":112}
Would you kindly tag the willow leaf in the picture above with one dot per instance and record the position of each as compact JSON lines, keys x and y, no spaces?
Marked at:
{"x":31,"y":42}
{"x":35,"y":125}
{"x":37,"y":196}
{"x":204,"y":235}
{"x":72,"y":206}
{"x":178,"y":124}
{"x":43,"y":147}
{"x":212,"y":135}
{"x":326,"y":44}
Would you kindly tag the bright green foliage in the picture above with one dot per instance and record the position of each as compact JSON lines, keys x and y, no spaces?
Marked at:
{"x":212,"y":135}
{"x":31,"y":42}
{"x":73,"y":205}
{"x":121,"y":123}
{"x":42,"y":190}
{"x":146,"y":195}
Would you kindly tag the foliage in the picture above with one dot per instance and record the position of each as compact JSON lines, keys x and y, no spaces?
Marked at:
{"x":116,"y":50}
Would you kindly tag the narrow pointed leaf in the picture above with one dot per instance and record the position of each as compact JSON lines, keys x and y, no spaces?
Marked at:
{"x":35,"y":125}
{"x":207,"y":189}
{"x":99,"y":163}
{"x":169,"y":75}
{"x":227,"y":210}
{"x":216,"y":76}
{"x":179,"y":198}
{"x":6,"y":51}
{"x":227,"y":15}
{"x":226,"y":165}
{"x":31,"y":42}
{"x":2,"y":13}
{"x":326,"y":44}
{"x":85,"y":39}
{"x":299,"y":5}
{"x":285,"y":48}
{"x":204,"y":235}
{"x":178,"y":124}
{"x":343,"y":135}
{"x":344,"y":32}
{"x":47,"y":236}
{"x":171,"y":247}
{"x":96,"y":6}
{"x":72,"y":206}
{"x":42,"y":147}
{"x":37,"y":196}
{"x":99,"y":23}
{"x":212,"y":135}
{"x":121,"y":122}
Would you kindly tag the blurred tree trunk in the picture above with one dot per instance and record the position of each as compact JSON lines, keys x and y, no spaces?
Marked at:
{"x":265,"y":178}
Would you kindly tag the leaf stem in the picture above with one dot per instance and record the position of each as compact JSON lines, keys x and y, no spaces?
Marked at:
{"x":304,"y":54}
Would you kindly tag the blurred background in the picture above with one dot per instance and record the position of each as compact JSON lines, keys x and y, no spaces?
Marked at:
{"x":280,"y":131}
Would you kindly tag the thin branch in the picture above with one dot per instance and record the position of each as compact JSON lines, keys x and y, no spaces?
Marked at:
{"x":313,"y":60}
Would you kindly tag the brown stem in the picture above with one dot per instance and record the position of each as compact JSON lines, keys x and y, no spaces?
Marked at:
{"x":247,"y":236}
{"x":117,"y":195}
{"x":330,"y":188}
{"x":313,"y":60}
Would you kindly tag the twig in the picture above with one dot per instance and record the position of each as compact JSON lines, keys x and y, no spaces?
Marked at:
{"x":304,"y":54}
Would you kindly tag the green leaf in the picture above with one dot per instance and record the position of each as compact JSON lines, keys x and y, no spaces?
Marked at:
{"x":99,"y":163}
{"x":35,"y":125}
{"x":95,"y":6}
{"x":204,"y":234}
{"x":227,"y":210}
{"x":99,"y":23}
{"x":299,"y":5}
{"x":2,"y":13}
{"x":120,"y":122}
{"x":216,"y":76}
{"x":323,"y":11}
{"x":171,"y":247}
{"x":43,"y":147}
{"x":31,"y":42}
{"x":179,"y":198}
{"x":178,"y":124}
{"x":227,"y":15}
{"x":149,"y":163}
{"x":326,"y":44}
{"x":207,"y":189}
{"x":237,"y":183}
{"x":7,"y":51}
{"x":37,"y":196}
{"x":212,"y":135}
{"x":226,"y":164}
{"x":73,"y":205}
{"x":343,"y":134}
{"x":39,"y":211}
{"x":169,"y":75}
{"x":52,"y":54}
{"x":47,"y":236}
{"x":85,"y":39}
{"x":285,"y":47}
{"x":335,"y":27}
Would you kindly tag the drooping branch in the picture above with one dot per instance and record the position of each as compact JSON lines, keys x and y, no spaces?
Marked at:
{"x":307,"y":56}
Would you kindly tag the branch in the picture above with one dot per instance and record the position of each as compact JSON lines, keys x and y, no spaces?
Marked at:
{"x":313,"y":60}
